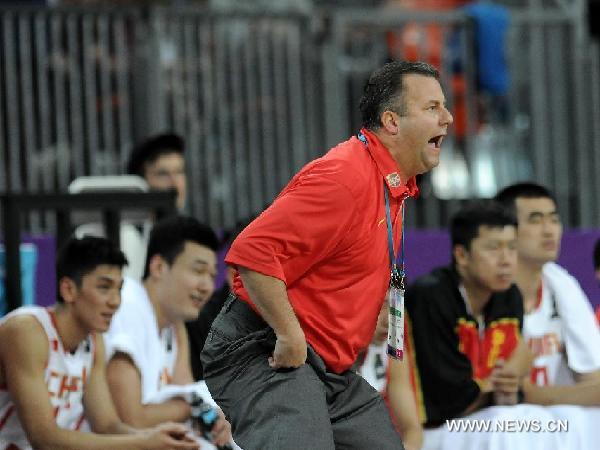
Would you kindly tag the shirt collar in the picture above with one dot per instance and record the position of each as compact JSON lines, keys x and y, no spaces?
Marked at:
{"x":389,"y":168}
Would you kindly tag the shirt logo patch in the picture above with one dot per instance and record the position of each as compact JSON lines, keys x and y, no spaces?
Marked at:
{"x":393,"y":179}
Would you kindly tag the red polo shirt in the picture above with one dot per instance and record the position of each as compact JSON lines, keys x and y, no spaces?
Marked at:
{"x":325,"y":237}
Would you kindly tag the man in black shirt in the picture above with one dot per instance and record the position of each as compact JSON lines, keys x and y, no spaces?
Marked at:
{"x":464,"y":320}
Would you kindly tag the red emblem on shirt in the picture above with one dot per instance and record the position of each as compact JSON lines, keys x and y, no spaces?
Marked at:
{"x":499,"y":340}
{"x":393,"y":179}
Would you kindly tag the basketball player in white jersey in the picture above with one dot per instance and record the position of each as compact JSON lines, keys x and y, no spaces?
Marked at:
{"x":559,"y":322}
{"x":52,"y":363}
{"x":147,"y":340}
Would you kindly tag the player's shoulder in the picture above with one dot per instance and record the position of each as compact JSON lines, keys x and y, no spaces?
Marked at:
{"x":21,"y":321}
{"x":558,"y":276}
{"x":23,"y":334}
{"x":552,"y":268}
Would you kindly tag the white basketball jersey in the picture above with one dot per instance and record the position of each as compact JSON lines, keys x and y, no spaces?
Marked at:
{"x":543,"y":331}
{"x":561,"y":331}
{"x":65,"y":375}
{"x":134,"y":331}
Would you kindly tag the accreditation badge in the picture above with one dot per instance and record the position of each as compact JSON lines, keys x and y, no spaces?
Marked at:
{"x":395,"y":344}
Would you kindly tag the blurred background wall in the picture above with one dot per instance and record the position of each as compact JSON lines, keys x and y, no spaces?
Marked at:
{"x":259,"y":88}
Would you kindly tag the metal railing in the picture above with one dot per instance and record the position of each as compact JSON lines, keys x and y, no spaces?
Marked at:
{"x":242,"y":90}
{"x":162,"y":204}
{"x":258,"y":95}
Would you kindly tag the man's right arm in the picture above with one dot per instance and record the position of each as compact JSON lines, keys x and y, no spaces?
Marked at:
{"x":125,"y":383}
{"x":269,"y":295}
{"x":23,"y":363}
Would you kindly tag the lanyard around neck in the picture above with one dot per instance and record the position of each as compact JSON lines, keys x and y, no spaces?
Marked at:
{"x":396,"y":267}
{"x":397,"y":274}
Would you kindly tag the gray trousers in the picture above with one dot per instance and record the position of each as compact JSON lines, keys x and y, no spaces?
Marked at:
{"x":307,"y":408}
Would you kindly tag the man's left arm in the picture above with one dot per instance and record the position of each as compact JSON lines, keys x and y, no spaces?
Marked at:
{"x":125,"y":383}
{"x":590,"y":377}
{"x":581,"y":394}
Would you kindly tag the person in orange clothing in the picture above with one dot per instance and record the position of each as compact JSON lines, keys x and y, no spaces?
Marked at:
{"x":312,"y":272}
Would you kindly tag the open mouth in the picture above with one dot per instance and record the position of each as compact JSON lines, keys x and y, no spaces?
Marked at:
{"x":436,"y":142}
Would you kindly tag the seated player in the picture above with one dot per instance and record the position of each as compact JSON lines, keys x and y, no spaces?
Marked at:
{"x":559,"y":323}
{"x":52,"y":371}
{"x":464,"y":320}
{"x":147,"y":340}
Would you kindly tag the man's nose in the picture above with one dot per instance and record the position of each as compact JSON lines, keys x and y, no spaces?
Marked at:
{"x":447,"y":118}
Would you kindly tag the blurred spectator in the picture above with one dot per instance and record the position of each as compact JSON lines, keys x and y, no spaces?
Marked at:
{"x":426,"y":41}
{"x":160,"y":161}
{"x":493,"y":75}
{"x":464,"y":321}
{"x":559,"y":323}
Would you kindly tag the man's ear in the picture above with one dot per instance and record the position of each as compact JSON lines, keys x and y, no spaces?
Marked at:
{"x":68,"y":289}
{"x":390,"y":122}
{"x":461,"y":255}
{"x":156,"y":266}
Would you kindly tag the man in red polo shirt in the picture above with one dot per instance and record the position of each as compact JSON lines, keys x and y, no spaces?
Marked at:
{"x":312,"y":270}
